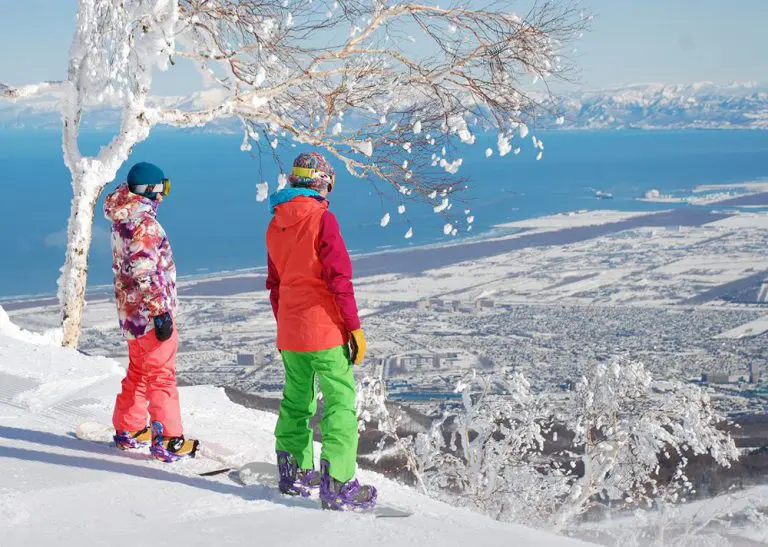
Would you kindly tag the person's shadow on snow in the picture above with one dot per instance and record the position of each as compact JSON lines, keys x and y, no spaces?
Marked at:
{"x":95,"y":463}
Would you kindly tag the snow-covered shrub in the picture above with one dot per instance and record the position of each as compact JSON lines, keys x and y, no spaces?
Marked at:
{"x":624,"y":441}
{"x":490,"y":457}
{"x":625,"y":428}
{"x":372,"y":407}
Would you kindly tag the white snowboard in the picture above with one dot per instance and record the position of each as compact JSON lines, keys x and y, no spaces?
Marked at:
{"x":95,"y":432}
{"x":209,"y":455}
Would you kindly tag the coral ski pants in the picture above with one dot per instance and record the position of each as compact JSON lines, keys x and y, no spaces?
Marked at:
{"x":149,"y":387}
{"x":333,"y":371}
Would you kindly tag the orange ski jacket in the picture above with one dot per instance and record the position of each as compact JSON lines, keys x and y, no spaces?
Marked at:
{"x":309,"y":275}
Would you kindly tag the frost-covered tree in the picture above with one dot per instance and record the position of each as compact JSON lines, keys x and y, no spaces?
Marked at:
{"x":372,"y":408}
{"x":625,"y":429}
{"x":386,"y":87}
{"x":627,"y":442}
{"x":495,"y":452}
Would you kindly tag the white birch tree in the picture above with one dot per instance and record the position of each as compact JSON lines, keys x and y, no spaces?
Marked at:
{"x":387,"y":88}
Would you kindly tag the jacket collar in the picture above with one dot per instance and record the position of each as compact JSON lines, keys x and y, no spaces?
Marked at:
{"x":287,"y":194}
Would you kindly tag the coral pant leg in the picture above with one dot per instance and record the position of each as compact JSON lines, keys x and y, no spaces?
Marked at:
{"x":131,"y":405}
{"x":153,"y":388}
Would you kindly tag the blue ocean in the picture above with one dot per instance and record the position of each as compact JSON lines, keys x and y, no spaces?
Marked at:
{"x":215,"y":223}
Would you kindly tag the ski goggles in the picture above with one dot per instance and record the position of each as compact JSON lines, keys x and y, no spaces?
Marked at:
{"x":163,"y":188}
{"x":308,"y":173}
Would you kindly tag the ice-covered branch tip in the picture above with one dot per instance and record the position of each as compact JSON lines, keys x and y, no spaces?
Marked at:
{"x":31,"y":90}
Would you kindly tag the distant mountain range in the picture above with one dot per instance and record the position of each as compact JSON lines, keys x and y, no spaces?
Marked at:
{"x":657,"y":106}
{"x":646,"y":106}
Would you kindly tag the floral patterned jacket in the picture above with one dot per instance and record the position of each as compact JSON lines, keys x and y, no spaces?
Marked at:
{"x":142,"y":262}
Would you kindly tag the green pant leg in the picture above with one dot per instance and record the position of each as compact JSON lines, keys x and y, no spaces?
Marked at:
{"x":339,"y":421}
{"x":299,"y":404}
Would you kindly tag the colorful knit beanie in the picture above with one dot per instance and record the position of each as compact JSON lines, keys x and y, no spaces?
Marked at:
{"x":311,"y":170}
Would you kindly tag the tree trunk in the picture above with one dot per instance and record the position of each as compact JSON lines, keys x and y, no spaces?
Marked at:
{"x":74,"y":272}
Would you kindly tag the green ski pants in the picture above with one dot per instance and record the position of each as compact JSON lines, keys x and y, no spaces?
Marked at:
{"x":332,"y":369}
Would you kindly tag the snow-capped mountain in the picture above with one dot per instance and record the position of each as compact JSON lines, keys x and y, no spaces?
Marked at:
{"x":658,"y":106}
{"x":647,"y":106}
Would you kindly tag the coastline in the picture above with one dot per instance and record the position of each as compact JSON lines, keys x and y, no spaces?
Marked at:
{"x":416,"y":260}
{"x":543,"y":231}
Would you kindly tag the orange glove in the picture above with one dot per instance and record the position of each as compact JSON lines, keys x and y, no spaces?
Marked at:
{"x":357,"y":346}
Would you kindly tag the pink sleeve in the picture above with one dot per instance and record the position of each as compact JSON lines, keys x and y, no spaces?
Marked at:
{"x":337,"y":270}
{"x":273,"y":285}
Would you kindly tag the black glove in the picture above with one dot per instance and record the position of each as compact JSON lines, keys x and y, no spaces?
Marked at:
{"x":164,"y":326}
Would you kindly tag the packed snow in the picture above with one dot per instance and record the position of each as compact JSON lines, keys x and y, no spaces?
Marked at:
{"x":51,"y":337}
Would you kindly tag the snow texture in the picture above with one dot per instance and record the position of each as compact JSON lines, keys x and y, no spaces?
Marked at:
{"x":503,"y":144}
{"x":458,"y":125}
{"x":451,"y":167}
{"x":442,"y":206}
{"x":262,"y":191}
{"x":364,"y":147}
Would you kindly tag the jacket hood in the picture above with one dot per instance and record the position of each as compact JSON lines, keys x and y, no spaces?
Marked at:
{"x":292,"y":205}
{"x":123,"y":204}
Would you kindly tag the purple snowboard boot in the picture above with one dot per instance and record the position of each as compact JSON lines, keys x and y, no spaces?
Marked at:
{"x":346,"y":496}
{"x":295,"y":481}
{"x":171,"y":449}
{"x":129,"y":440}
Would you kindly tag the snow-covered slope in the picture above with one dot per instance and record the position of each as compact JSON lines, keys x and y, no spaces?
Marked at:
{"x":57,"y":490}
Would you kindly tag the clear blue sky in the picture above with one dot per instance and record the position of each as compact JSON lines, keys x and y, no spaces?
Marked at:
{"x":631,"y":41}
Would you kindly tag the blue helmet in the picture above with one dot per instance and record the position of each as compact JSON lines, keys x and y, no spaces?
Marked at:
{"x":144,"y":179}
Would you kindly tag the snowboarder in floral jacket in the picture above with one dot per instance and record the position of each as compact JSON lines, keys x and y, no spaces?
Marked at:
{"x":145,"y":291}
{"x":319,"y":338}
